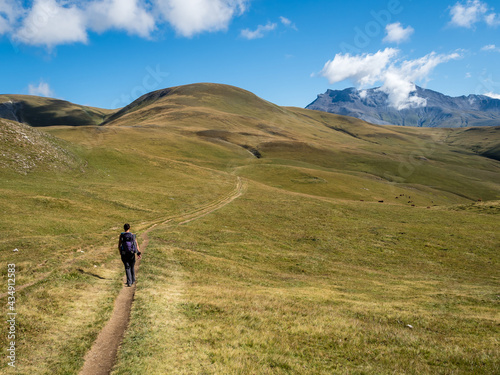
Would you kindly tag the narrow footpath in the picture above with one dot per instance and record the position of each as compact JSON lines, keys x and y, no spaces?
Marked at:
{"x":101,"y":358}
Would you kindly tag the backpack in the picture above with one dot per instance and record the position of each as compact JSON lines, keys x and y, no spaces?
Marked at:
{"x":128,"y":242}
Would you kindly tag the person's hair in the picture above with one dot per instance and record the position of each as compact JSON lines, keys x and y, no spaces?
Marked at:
{"x":126,"y":227}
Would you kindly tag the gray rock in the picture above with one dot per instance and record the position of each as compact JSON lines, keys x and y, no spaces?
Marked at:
{"x":440,"y":111}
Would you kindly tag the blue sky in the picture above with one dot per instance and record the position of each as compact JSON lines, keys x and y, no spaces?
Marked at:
{"x":106,"y":53}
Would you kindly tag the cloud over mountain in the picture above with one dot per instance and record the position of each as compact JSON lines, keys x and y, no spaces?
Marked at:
{"x":397,"y":77}
{"x":441,"y":110}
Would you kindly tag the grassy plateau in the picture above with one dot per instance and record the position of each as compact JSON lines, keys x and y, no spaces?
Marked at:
{"x":352,"y":249}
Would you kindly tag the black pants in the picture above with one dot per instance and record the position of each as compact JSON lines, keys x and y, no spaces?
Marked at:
{"x":128,"y":260}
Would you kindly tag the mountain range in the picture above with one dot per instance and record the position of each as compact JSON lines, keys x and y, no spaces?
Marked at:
{"x":440,"y":110}
{"x":239,"y":120}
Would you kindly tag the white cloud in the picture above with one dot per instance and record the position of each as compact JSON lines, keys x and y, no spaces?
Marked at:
{"x":468,"y":75}
{"x":467,"y":14}
{"x":55,"y":22}
{"x":490,"y":48}
{"x":287,"y":22}
{"x":493,"y":19}
{"x":43,"y":89}
{"x":190,"y":17}
{"x":128,"y":15}
{"x":397,"y":34}
{"x":50,"y":24}
{"x":365,"y":69}
{"x":259,"y":32}
{"x":492,"y":95}
{"x":397,"y":77}
{"x":9,"y":13}
{"x":398,"y":81}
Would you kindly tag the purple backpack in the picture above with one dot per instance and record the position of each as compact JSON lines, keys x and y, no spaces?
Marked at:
{"x":128,"y":242}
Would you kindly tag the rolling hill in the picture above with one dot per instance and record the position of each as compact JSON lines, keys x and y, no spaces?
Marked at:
{"x":440,"y":110}
{"x":39,"y":111}
{"x":279,"y":240}
{"x":25,"y":149}
{"x":235,"y":121}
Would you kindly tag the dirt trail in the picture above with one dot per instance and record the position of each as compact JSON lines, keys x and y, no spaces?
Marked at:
{"x":101,"y":357}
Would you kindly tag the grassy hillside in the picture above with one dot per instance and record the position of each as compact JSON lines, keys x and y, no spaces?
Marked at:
{"x":25,"y":149}
{"x":327,"y":152}
{"x":355,"y":248}
{"x":280,"y":283}
{"x":39,"y":111}
{"x":483,"y":141}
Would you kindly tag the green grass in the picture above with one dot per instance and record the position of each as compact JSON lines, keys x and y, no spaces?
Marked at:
{"x":65,"y":224}
{"x":276,"y":283}
{"x":307,"y":272}
{"x":40,"y":111}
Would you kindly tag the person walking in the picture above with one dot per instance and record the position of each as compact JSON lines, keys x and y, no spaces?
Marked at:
{"x":128,"y":247}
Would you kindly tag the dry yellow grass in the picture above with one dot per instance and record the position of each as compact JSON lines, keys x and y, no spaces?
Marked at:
{"x":295,"y":276}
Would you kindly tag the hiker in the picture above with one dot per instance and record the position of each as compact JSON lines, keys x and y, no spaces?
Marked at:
{"x":128,"y":248}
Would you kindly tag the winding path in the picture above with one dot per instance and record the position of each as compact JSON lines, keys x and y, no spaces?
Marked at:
{"x":101,"y":358}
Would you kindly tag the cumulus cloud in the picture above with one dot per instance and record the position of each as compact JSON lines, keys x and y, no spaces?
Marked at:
{"x":43,"y":89}
{"x":10,"y":11}
{"x":128,"y":15}
{"x":397,"y":77}
{"x":492,"y":95}
{"x":50,"y":24}
{"x":259,"y":32}
{"x":55,"y":22}
{"x":397,"y":33}
{"x":467,"y":14}
{"x":493,"y":19}
{"x":364,"y":70}
{"x":190,"y":17}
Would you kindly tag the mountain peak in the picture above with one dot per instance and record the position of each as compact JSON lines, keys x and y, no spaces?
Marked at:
{"x":428,"y":109}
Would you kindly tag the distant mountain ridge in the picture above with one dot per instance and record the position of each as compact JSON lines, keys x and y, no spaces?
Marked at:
{"x":236,"y":118}
{"x":441,"y":110}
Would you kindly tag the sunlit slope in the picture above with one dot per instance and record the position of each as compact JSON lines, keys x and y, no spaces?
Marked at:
{"x":25,"y":149}
{"x":305,"y":151}
{"x":278,"y":283}
{"x":289,"y":275}
{"x":40,"y":111}
{"x":60,"y":220}
{"x":484,"y":141}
